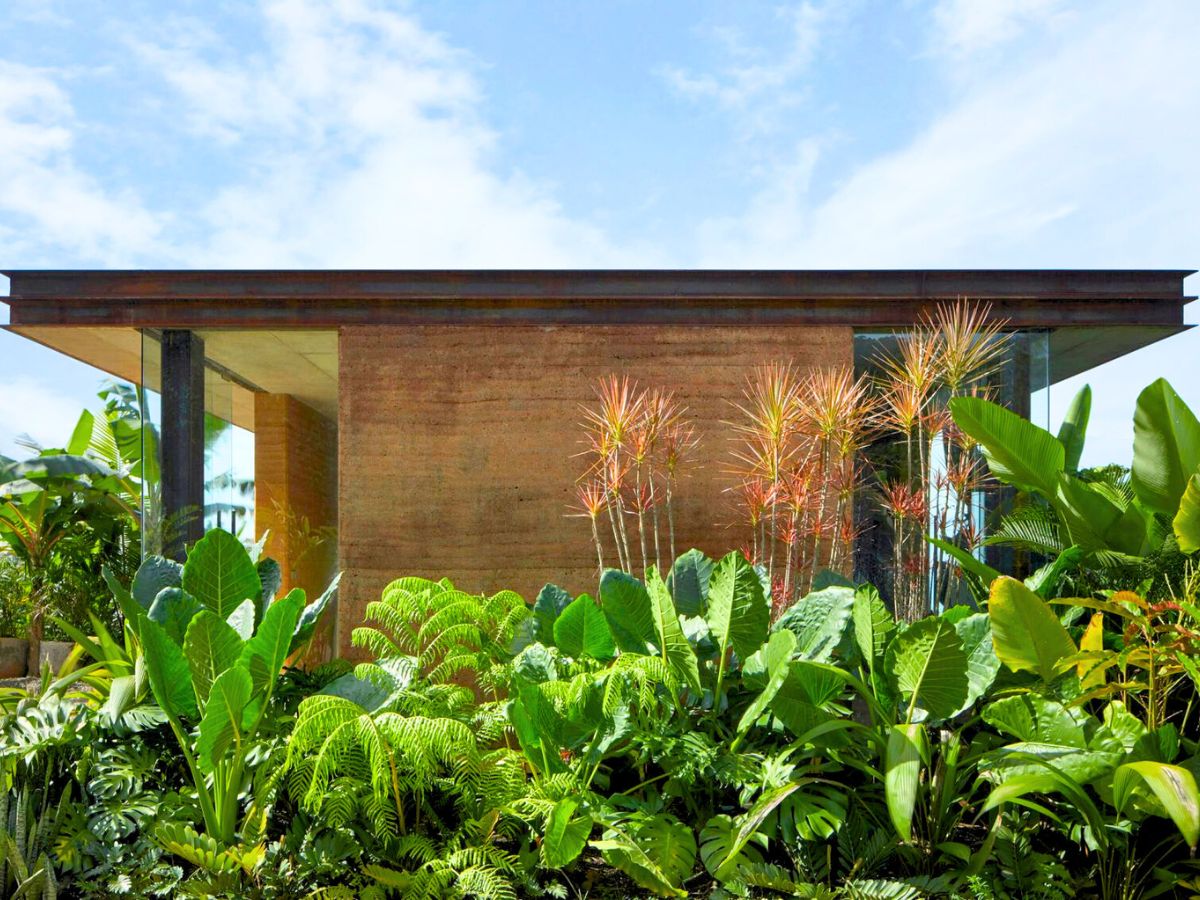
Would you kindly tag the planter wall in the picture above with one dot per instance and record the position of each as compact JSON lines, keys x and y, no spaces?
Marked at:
{"x":54,"y":652}
{"x":14,"y":654}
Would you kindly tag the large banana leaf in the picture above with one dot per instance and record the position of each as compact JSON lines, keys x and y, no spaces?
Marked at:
{"x":1018,"y":452}
{"x":1187,"y":520}
{"x":930,"y":668}
{"x":1073,"y":431}
{"x":1166,"y":447}
{"x":1026,"y":634}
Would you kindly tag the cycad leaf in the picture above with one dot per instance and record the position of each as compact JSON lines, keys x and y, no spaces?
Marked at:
{"x":1166,"y":447}
{"x":1073,"y":431}
{"x":582,"y":630}
{"x":219,"y":573}
{"x":1017,"y":451}
{"x":673,"y":645}
{"x":1026,"y":634}
{"x":220,"y":727}
{"x":739,"y":614}
{"x":211,"y":646}
{"x":626,"y":606}
{"x":930,"y":667}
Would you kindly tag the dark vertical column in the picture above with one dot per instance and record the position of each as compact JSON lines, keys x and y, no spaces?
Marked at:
{"x":1014,"y":390}
{"x":182,"y":440}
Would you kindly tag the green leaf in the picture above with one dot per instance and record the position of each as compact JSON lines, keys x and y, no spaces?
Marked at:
{"x":1033,"y":718}
{"x":1166,"y":447}
{"x":173,"y":610}
{"x":566,"y":834}
{"x":739,"y":613}
{"x":167,"y":669}
{"x":270,"y":578}
{"x":966,"y":560}
{"x":219,"y":573}
{"x":1026,"y":634}
{"x":1186,"y":524}
{"x":751,"y":821}
{"x":688,"y":582}
{"x":626,"y":606}
{"x":716,"y":848}
{"x":907,"y":746}
{"x":551,"y":601}
{"x":975,"y":633}
{"x":221,"y":725}
{"x":154,"y":574}
{"x":673,"y":645}
{"x":819,"y":621}
{"x":658,"y":852}
{"x":774,"y":659}
{"x":311,"y":617}
{"x":1174,"y":787}
{"x":1017,"y":451}
{"x":1073,"y":430}
{"x":263,"y":655}
{"x":582,"y":630}
{"x":241,"y":619}
{"x":873,"y":625}
{"x":211,"y":646}
{"x":930,"y":668}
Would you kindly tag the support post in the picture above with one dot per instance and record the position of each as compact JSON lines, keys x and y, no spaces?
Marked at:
{"x":182,"y":440}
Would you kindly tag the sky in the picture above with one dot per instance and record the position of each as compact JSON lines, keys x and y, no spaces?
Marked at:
{"x":677,"y":133}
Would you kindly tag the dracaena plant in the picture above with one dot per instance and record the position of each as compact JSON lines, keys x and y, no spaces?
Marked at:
{"x":213,"y":640}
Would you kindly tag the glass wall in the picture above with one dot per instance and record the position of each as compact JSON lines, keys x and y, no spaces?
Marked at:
{"x":928,"y":506}
{"x":228,"y":454}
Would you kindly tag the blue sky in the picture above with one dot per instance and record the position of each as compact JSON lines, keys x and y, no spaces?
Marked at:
{"x":298,"y":133}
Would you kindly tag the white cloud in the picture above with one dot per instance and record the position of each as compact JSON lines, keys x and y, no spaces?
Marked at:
{"x":37,"y":409}
{"x":966,"y":28}
{"x":360,"y":144}
{"x":49,"y":204}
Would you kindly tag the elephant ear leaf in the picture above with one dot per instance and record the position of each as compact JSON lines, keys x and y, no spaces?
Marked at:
{"x":566,"y":833}
{"x":1026,"y":634}
{"x":1073,"y":431}
{"x":220,"y":574}
{"x":930,"y":668}
{"x":220,"y":727}
{"x":168,"y":671}
{"x":211,"y":646}
{"x":739,"y":614}
{"x":688,"y":582}
{"x":1017,"y":451}
{"x":1166,"y":447}
{"x":264,"y":654}
{"x":673,"y":645}
{"x":306,"y":626}
{"x":173,"y":609}
{"x":581,"y":630}
{"x":626,"y":606}
{"x":154,"y":574}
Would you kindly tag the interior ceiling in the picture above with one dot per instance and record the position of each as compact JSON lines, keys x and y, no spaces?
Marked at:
{"x":301,"y":363}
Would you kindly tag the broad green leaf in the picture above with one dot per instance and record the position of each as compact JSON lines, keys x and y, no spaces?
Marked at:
{"x":154,"y":574}
{"x":219,"y":573}
{"x":241,"y":619}
{"x":672,"y":644}
{"x":311,"y":617}
{"x":907,"y":746}
{"x":975,"y":633}
{"x":1095,"y":521}
{"x":773,"y":659}
{"x":211,"y":646}
{"x":1166,"y":447}
{"x":1017,"y":451}
{"x":1026,"y":634}
{"x":1090,"y":672}
{"x":626,"y":606}
{"x":551,"y":601}
{"x":167,"y":669}
{"x":930,"y":668}
{"x":751,"y":821}
{"x":582,"y":630}
{"x":270,"y":578}
{"x":657,"y":853}
{"x":688,"y":582}
{"x":567,"y":832}
{"x":263,"y":655}
{"x":1073,"y":431}
{"x":873,"y":625}
{"x":1186,"y":524}
{"x":1175,"y":788}
{"x":173,"y":609}
{"x":221,"y":725}
{"x":1036,"y":719}
{"x":819,"y":621}
{"x":966,"y":560}
{"x":1045,"y":581}
{"x":739,"y":613}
